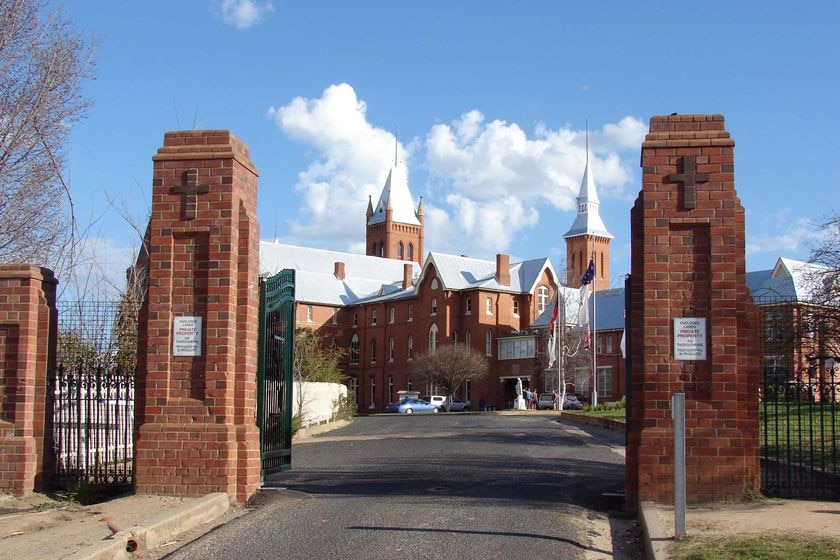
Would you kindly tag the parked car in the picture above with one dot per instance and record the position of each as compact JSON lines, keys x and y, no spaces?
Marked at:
{"x":436,"y":400}
{"x":572,"y":402}
{"x":412,"y":406}
{"x":457,"y":405}
{"x":546,"y":401}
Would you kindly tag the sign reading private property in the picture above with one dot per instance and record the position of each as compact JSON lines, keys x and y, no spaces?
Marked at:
{"x":186,"y":338}
{"x":690,"y":338}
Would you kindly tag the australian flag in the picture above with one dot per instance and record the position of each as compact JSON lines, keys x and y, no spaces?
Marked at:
{"x":589,"y":275}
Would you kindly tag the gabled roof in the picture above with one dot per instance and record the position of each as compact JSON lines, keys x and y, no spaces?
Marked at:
{"x":396,"y":197}
{"x":789,"y":280}
{"x":465,"y":273}
{"x":365,"y":278}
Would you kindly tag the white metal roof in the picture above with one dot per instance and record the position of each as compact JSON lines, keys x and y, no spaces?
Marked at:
{"x":463,"y":273}
{"x":365,"y":277}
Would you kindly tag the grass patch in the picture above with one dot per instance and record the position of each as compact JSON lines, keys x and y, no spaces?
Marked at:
{"x":613,"y":411}
{"x":779,"y":546}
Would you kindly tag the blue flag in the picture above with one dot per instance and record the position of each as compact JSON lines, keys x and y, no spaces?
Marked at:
{"x":589,"y":275}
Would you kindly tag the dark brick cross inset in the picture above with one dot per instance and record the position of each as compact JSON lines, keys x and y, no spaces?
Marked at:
{"x":190,"y":191}
{"x":689,"y":178}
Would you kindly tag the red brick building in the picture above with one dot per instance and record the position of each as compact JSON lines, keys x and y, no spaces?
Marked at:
{"x":391,"y":305}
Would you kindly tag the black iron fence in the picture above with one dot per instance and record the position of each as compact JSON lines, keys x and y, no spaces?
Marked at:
{"x":93,"y":420}
{"x":800,"y":397}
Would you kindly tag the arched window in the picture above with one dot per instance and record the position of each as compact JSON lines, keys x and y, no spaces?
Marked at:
{"x":391,"y":349}
{"x":468,"y":338}
{"x":410,"y":256}
{"x":434,"y":306}
{"x":308,"y":313}
{"x":542,"y":298}
{"x":488,"y":343}
{"x":455,"y":337}
{"x":391,"y":315}
{"x":354,"y":349}
{"x":400,"y":248}
{"x":373,"y":350}
{"x":373,"y":316}
{"x":410,"y":351}
{"x":435,"y":283}
{"x":468,"y":306}
{"x":381,"y":248}
{"x":433,"y":338}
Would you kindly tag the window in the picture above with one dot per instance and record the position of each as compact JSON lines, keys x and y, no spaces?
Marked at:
{"x":400,"y":250}
{"x":391,"y":389}
{"x":354,"y":390}
{"x":408,"y":383}
{"x":373,"y":317}
{"x":468,"y":306}
{"x":355,"y":319}
{"x":468,"y":339}
{"x":434,"y":306}
{"x":599,"y":344}
{"x":435,"y":284}
{"x":354,"y":349}
{"x":410,"y":252}
{"x":381,"y":249}
{"x":542,"y":298}
{"x":373,"y":351}
{"x":410,"y":351}
{"x":372,"y":392}
{"x":467,"y":391}
{"x":517,"y":348}
{"x":308,"y":313}
{"x":605,"y":385}
{"x":391,"y":315}
{"x":391,"y":349}
{"x":410,"y":311}
{"x":609,"y":341}
{"x":488,"y":306}
{"x":454,"y":337}
{"x":516,"y":308}
{"x":433,"y":339}
{"x":488,"y":343}
{"x":335,"y":316}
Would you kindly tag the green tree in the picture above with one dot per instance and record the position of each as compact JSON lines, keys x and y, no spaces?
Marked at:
{"x":450,"y":366}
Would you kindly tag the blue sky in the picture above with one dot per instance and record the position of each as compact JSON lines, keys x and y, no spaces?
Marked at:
{"x":490,"y":99}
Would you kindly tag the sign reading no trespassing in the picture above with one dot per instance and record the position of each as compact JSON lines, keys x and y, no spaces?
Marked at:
{"x":186,"y":336}
{"x":690,"y":338}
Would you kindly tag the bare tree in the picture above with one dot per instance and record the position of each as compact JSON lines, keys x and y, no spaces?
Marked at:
{"x":43,"y":61}
{"x":450,"y":366}
{"x":315,"y":360}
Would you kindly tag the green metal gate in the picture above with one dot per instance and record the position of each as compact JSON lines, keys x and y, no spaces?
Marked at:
{"x":274,"y":377}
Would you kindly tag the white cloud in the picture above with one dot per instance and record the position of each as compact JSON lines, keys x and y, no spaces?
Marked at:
{"x":354,"y":162}
{"x":242,"y":14}
{"x":502,"y":178}
{"x":781,"y":236}
{"x":487,"y":181}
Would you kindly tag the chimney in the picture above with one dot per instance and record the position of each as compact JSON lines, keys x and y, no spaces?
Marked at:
{"x":407,"y":276}
{"x":339,"y":270}
{"x":503,"y":269}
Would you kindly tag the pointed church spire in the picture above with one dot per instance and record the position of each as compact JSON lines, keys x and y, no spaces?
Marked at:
{"x":395,"y":196}
{"x":369,"y":208}
{"x":420,"y":213}
{"x":588,"y":220}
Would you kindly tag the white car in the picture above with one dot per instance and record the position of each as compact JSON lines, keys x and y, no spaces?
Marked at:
{"x":436,"y":400}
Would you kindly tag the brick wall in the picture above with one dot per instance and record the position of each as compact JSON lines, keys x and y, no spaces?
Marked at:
{"x":688,"y":261}
{"x":28,"y":326}
{"x":195,"y":414}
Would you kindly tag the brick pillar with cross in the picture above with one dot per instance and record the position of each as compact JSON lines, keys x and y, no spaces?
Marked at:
{"x":197,"y":366}
{"x":693,"y":326}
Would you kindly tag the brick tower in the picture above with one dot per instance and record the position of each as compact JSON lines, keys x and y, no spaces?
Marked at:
{"x":394,"y":228}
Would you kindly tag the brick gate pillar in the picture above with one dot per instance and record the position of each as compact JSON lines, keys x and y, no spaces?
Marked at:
{"x":693,"y":324}
{"x":28,"y":327}
{"x":196,"y":381}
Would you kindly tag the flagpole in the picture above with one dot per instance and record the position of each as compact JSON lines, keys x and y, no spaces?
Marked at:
{"x":594,"y":343}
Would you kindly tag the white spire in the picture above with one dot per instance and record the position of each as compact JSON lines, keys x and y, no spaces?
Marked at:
{"x":395,"y":196}
{"x":588,"y":220}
